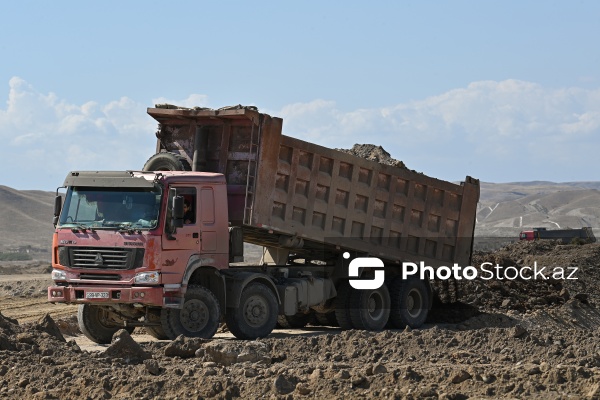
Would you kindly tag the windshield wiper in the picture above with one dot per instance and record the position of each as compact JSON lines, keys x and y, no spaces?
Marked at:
{"x":82,"y":228}
{"x":127,"y":228}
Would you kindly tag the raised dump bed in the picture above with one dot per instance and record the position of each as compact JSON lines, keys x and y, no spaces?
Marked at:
{"x":287,"y":192}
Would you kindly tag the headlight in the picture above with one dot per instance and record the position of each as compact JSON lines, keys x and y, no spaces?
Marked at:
{"x":147,"y":277}
{"x":59,"y":275}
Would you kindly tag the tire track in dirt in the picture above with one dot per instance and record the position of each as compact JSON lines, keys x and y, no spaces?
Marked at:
{"x":30,"y":310}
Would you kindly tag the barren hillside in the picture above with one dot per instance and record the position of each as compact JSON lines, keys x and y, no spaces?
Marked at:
{"x":507,"y":208}
{"x":26,"y":220}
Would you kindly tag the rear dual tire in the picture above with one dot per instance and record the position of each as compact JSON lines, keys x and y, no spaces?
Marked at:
{"x":410,"y":302}
{"x":398,"y":304}
{"x":362,"y":309}
{"x":370,"y":309}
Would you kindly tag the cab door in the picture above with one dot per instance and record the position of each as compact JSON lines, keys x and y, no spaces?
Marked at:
{"x":188,"y":236}
{"x":206,"y":218}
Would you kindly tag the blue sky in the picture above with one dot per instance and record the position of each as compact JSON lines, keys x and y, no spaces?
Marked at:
{"x":499,"y":90}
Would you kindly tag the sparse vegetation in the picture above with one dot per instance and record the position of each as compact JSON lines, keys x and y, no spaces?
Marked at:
{"x":15,"y":257}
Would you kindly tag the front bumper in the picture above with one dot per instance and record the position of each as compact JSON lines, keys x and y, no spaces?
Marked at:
{"x":154,"y":296}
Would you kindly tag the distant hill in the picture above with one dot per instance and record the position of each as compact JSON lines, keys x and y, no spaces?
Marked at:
{"x":26,"y":220}
{"x":503,"y":211}
{"x":507,"y":208}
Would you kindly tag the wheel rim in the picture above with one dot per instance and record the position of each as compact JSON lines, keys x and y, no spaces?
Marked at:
{"x":256,"y":311}
{"x":375,"y":306}
{"x":414,"y":303}
{"x":194,"y":315}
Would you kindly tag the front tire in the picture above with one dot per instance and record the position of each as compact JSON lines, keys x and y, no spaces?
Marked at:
{"x":256,"y":315}
{"x":95,"y":323}
{"x":199,"y":316}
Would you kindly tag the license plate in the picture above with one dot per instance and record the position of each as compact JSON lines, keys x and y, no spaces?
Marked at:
{"x":96,"y":295}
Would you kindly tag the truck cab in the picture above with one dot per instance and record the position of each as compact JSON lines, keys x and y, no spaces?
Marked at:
{"x":527,"y":235}
{"x":122,"y":245}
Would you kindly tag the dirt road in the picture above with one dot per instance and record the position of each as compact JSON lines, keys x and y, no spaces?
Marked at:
{"x":22,"y":296}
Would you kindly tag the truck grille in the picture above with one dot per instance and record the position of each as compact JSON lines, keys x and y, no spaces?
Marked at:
{"x":103,"y":258}
{"x":100,"y":277}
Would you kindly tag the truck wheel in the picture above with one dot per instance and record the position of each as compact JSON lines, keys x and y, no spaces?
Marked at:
{"x":410,"y":302}
{"x":96,"y":324}
{"x":370,"y":309}
{"x":167,"y":162}
{"x":293,"y":321}
{"x":342,"y":306}
{"x":256,"y":315}
{"x":199,"y":316}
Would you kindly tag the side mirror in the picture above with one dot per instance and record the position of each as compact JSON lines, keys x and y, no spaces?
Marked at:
{"x":177,"y":207}
{"x":57,"y":209}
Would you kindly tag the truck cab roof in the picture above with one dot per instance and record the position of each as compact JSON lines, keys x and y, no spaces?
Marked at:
{"x":138,"y":178}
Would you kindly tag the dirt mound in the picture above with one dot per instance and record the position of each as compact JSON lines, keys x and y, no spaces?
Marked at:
{"x":564,"y":272}
{"x":504,"y":358}
{"x":25,"y":267}
{"x":43,"y":336}
{"x":125,"y":348}
{"x":373,"y":153}
{"x":68,"y":326}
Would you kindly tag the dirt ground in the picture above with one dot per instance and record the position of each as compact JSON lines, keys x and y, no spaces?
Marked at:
{"x":509,"y":339}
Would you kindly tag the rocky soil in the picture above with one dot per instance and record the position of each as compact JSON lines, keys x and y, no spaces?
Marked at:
{"x":373,"y":153}
{"x":554,"y":262}
{"x":513,"y":339}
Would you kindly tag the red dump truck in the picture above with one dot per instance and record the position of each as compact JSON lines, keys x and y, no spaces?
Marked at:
{"x":162,"y":248}
{"x":566,"y":236}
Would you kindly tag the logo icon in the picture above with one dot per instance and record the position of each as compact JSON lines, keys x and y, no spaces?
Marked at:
{"x":98,"y":261}
{"x":365,"y":262}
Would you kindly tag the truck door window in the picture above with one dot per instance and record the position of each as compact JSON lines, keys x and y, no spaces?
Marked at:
{"x":189,"y":204}
{"x":189,"y":216}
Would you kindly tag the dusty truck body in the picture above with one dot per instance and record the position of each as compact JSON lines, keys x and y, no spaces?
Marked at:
{"x":313,"y":209}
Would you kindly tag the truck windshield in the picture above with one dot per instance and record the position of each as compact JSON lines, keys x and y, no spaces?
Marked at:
{"x":110,"y":208}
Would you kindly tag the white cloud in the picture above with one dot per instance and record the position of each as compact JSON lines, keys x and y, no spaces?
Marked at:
{"x":498,"y":131}
{"x":45,"y":136}
{"x":519,"y":128}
